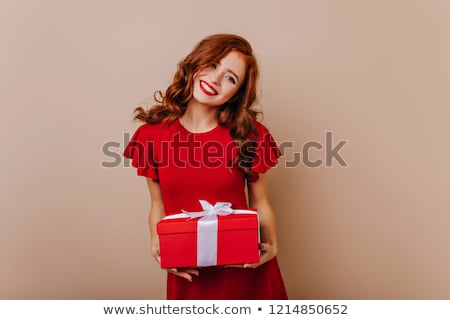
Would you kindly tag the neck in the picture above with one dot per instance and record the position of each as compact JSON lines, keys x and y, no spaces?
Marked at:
{"x":199,"y":118}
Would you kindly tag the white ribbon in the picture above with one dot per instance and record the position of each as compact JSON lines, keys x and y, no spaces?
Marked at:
{"x":207,"y":228}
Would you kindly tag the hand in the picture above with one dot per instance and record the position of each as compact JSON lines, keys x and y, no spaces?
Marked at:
{"x":186,"y":273}
{"x":155,"y":252}
{"x":268,"y":253}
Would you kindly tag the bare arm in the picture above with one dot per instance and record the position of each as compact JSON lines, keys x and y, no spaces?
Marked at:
{"x":156,"y":214}
{"x":258,"y":198}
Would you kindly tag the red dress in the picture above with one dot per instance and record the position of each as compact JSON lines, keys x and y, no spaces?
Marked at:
{"x":193,"y":166}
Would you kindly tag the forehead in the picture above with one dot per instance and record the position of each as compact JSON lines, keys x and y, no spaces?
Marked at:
{"x":235,"y":62}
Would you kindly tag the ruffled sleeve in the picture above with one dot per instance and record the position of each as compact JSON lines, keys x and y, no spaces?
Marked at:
{"x":140,"y":150}
{"x":266,"y":152}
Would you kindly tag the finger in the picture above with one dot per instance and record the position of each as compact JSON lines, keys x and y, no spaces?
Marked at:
{"x":156,"y":255}
{"x":182,"y":274}
{"x":265,"y":256}
{"x":185,"y":275}
{"x":192,"y":271}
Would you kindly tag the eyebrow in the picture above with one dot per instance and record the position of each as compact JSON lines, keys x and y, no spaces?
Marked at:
{"x":230,"y":71}
{"x":234,"y":73}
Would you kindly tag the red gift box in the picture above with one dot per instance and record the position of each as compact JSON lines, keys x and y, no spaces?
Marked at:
{"x":217,"y":236}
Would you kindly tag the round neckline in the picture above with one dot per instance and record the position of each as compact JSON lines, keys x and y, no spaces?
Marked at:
{"x":197,"y":133}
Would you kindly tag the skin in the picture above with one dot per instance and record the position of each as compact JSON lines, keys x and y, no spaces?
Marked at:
{"x":201,"y":115}
{"x":201,"y":110}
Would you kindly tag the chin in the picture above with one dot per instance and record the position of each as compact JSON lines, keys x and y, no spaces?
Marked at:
{"x":200,"y":98}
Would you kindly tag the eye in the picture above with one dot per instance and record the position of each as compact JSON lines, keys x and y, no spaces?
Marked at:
{"x":231,"y":79}
{"x":214,"y":66}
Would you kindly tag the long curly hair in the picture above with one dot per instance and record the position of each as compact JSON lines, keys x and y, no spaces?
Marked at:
{"x":235,"y":114}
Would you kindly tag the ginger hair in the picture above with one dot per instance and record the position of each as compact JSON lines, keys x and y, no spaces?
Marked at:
{"x":236,"y":114}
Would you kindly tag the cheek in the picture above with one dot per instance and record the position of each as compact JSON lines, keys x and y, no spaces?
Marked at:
{"x":196,"y":76}
{"x":230,"y":90}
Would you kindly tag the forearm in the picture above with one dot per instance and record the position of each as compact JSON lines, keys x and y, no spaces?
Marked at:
{"x":267,"y":223}
{"x":156,"y":210}
{"x":156,"y":214}
{"x":259,"y":199}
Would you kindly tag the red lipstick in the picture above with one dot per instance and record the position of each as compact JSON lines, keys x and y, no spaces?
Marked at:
{"x":207,"y":88}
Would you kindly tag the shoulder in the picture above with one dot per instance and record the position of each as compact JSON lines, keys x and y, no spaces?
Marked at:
{"x":152,"y":129}
{"x":263,"y":131}
{"x":259,"y":126}
{"x":149,"y":127}
{"x":145,"y":133}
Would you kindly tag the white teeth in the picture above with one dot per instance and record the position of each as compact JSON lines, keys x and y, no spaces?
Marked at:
{"x":207,"y":88}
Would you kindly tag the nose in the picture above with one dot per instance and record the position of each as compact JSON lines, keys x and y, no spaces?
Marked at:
{"x":214,"y":77}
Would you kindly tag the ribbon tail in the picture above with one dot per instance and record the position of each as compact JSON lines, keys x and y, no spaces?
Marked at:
{"x":207,"y":233}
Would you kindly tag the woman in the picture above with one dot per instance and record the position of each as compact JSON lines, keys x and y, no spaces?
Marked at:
{"x":202,"y":141}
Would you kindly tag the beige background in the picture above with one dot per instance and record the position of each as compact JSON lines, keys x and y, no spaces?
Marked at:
{"x":375,"y":73}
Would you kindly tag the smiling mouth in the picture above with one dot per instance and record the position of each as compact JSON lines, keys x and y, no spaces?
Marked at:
{"x":207,"y":88}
